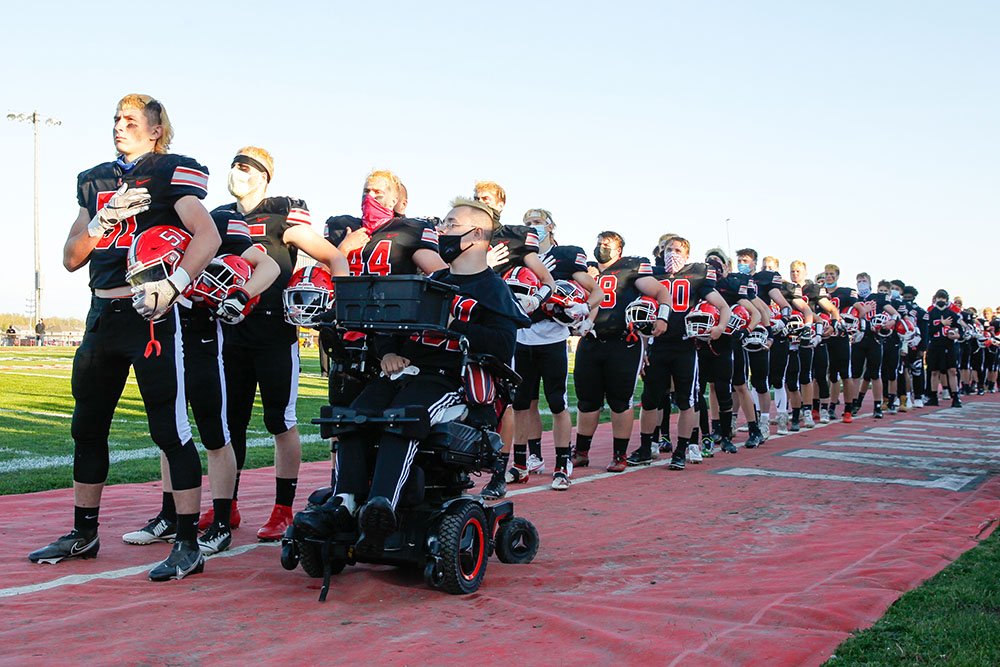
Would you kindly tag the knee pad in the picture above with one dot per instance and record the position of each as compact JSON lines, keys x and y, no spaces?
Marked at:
{"x":619,"y":405}
{"x":682,"y":402}
{"x":725,"y":399}
{"x":591,"y":405}
{"x":90,"y":462}
{"x":185,"y":466}
{"x":274,"y":421}
{"x":557,"y":402}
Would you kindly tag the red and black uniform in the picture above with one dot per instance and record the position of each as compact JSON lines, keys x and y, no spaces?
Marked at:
{"x":760,"y":360}
{"x":204,"y":374}
{"x":866,"y":354}
{"x":263,"y":349}
{"x":941,"y":354}
{"x":672,"y":356}
{"x":840,"y":345}
{"x":541,"y":355}
{"x":812,"y":293}
{"x":891,"y":346}
{"x":607,"y":362}
{"x":486,"y":314}
{"x":389,"y":251}
{"x":116,"y":336}
{"x":521,"y":241}
{"x":734,"y":287}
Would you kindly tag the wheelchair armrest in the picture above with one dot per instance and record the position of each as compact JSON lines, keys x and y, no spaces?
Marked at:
{"x":411,"y":421}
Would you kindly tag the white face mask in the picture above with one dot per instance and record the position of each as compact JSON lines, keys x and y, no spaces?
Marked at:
{"x":239,"y":183}
{"x":673,"y":261}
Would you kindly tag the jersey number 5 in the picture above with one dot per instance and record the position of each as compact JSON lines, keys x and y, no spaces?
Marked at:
{"x":119,"y":236}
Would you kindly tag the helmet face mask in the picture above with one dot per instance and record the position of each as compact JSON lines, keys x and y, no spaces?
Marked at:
{"x":640,"y":315}
{"x":155,"y":254}
{"x":309,"y":294}
{"x":700,"y":321}
{"x":756,"y":340}
{"x":566,"y":295}
{"x":739,"y":318}
{"x":222,"y":274}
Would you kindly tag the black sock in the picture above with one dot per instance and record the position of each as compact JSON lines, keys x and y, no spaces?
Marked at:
{"x":503,"y":460}
{"x":824,"y":406}
{"x":620,"y":446}
{"x":656,"y":434}
{"x":187,"y":527}
{"x":222,"y":508}
{"x":753,"y":428}
{"x":167,"y":509}
{"x":646,"y":443}
{"x":717,"y":425}
{"x":726,"y":424}
{"x":284,"y":493}
{"x":816,"y":405}
{"x":583,"y":443}
{"x":85,"y":519}
{"x":236,"y":486}
{"x":520,"y":456}
{"x":680,"y":451}
{"x":796,"y":414}
{"x":535,"y":447}
{"x":562,"y":457}
{"x":703,"y":421}
{"x":665,"y":423}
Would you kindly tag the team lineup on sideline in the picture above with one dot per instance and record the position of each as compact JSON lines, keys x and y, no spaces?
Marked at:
{"x":438,"y":337}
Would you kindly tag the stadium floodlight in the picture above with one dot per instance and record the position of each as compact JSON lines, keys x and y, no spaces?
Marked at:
{"x":35,"y":120}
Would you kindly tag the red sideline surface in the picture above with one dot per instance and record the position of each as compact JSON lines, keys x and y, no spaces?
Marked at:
{"x":769,"y":556}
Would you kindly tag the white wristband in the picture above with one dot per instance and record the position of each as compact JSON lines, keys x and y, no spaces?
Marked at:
{"x":663,"y":312}
{"x":180,"y":279}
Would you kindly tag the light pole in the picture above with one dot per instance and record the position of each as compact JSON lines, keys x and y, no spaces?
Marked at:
{"x":729,"y":241}
{"x":35,"y":120}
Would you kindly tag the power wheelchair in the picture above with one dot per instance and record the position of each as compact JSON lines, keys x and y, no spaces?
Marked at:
{"x":441,"y":529}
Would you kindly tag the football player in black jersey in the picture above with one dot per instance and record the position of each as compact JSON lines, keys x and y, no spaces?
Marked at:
{"x":486,"y":314}
{"x":817,"y":391}
{"x":541,"y":357}
{"x":264,"y":349}
{"x":673,"y":358}
{"x":866,"y":355}
{"x":768,"y":290}
{"x":839,"y":346}
{"x":607,"y":360}
{"x":944,"y":329}
{"x":913,"y":359}
{"x":143,"y":188}
{"x":785,"y":362}
{"x":891,"y":345}
{"x":381,"y":242}
{"x":204,"y":379}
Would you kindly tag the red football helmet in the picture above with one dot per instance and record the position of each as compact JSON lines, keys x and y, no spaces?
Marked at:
{"x":523,"y":283}
{"x":700,"y":321}
{"x":851,"y":319}
{"x":640,"y":315}
{"x":906,"y":328}
{"x":308,"y":295}
{"x":155,"y":254}
{"x":775,"y":312}
{"x":566,"y":295}
{"x":222,"y":273}
{"x":739,"y":318}
{"x":883,"y":324}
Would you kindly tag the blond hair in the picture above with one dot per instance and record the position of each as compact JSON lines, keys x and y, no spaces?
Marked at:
{"x":458,"y":202}
{"x":388,"y":177}
{"x":832,"y":267}
{"x":772,"y":259}
{"x":262,"y":156}
{"x":797,"y":264}
{"x":492,"y":188}
{"x":156,"y":114}
{"x":681,"y":240}
{"x":538,"y":213}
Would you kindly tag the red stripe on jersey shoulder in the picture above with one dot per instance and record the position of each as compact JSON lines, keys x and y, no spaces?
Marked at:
{"x":429,"y":235}
{"x":581,"y":260}
{"x":645,"y":269}
{"x":238,"y":228}
{"x":299,"y":216}
{"x":531,"y":239}
{"x":187,"y":176}
{"x":710,"y":274}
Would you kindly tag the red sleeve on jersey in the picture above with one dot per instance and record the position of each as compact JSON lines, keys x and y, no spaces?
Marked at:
{"x":192,"y":178}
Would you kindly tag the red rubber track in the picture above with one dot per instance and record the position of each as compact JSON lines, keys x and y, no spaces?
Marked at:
{"x":700,"y":567}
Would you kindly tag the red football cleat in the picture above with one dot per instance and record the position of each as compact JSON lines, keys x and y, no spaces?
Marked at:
{"x":208,"y":517}
{"x":848,"y":418}
{"x":274,"y":529}
{"x":815,"y":415}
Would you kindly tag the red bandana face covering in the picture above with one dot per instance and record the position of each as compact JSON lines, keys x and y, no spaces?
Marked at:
{"x":374,"y":214}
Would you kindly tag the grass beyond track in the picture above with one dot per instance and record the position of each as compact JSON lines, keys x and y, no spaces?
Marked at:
{"x":36,"y":407}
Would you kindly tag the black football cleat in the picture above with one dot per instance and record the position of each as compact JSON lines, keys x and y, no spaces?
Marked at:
{"x":184,"y":559}
{"x":76,"y":544}
{"x":677,"y":463}
{"x":877,"y":411}
{"x":727,"y":446}
{"x":755,"y":440}
{"x":956,"y":402}
{"x":640,"y":457}
{"x":496,"y":487}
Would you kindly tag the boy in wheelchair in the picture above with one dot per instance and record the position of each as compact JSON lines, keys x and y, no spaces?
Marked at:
{"x":422,"y":376}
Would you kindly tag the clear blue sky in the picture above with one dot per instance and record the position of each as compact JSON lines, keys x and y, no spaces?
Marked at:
{"x":862,"y":133}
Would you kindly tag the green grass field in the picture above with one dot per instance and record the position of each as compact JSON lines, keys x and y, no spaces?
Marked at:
{"x":36,"y":407}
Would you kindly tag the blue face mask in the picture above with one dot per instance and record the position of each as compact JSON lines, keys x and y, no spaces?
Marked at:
{"x":832,"y":285}
{"x":542,"y":231}
{"x":743,"y":268}
{"x":864,"y":288}
{"x":894,"y":293}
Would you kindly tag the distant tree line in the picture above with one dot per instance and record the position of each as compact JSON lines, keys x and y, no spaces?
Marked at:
{"x":52,"y":324}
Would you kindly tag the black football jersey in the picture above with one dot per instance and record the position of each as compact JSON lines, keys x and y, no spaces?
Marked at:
{"x":766,"y":281}
{"x":688,"y":287}
{"x":521,"y":241}
{"x":390,"y":248}
{"x":876,"y":302}
{"x":618,"y":284}
{"x":736,"y":286}
{"x":563,"y":261}
{"x":813,"y":292}
{"x":790,"y":291}
{"x":936,"y":328}
{"x":842,"y":297}
{"x":167,"y":178}
{"x":233,"y":230}
{"x":267,"y":223}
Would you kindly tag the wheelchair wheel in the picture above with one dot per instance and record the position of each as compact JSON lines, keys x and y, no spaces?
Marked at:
{"x":516,"y":541}
{"x":463,"y":537}
{"x":311,"y":559}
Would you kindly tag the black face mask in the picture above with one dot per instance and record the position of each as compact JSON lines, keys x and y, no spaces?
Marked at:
{"x":450,"y":246}
{"x":602,"y":254}
{"x":941,"y":304}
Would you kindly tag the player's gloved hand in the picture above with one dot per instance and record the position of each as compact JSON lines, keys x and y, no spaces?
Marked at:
{"x":154,"y":298}
{"x":777,"y":328}
{"x":231,"y":309}
{"x":529,"y":302}
{"x":123,"y":205}
{"x":838,"y":326}
{"x":584,"y":328}
{"x":578,"y":311}
{"x":497,"y":255}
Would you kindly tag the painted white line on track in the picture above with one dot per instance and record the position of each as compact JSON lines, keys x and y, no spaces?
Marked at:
{"x":946,"y":482}
{"x":927,"y":463}
{"x":75,"y":579}
{"x":960,"y":449}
